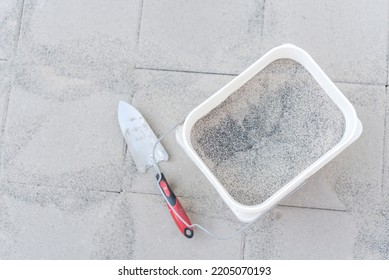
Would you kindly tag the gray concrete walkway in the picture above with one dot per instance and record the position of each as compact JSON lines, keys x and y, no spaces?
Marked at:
{"x":69,"y":189}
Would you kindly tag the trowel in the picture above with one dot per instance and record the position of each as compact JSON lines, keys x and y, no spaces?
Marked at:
{"x":147,"y":151}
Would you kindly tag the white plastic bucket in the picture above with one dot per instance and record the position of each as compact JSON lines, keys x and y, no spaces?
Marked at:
{"x":353,"y":128}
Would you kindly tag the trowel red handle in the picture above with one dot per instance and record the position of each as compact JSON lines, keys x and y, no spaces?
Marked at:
{"x":173,"y":201}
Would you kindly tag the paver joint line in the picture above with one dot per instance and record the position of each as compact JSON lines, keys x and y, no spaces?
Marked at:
{"x":139,"y":22}
{"x":185,"y":71}
{"x":311,"y":208}
{"x":19,"y":28}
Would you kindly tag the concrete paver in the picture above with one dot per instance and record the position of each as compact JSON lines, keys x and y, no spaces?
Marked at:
{"x":85,"y":23}
{"x":10,"y":13}
{"x":364,"y":159}
{"x":285,"y":231}
{"x":157,"y":237}
{"x":47,"y":223}
{"x":215,"y":36}
{"x":360,"y":186}
{"x":227,"y":38}
{"x":165,"y":97}
{"x":338,"y":35}
{"x":69,"y":144}
{"x":66,"y":45}
{"x":318,"y":192}
{"x":69,"y":76}
{"x":355,"y":176}
{"x":360,"y":164}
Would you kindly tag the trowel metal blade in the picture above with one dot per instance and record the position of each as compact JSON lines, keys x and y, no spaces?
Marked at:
{"x":139,"y":137}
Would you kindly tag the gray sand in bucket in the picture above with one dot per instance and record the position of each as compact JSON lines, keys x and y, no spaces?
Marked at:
{"x":267,"y":132}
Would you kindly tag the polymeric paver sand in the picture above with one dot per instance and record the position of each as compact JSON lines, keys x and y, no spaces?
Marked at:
{"x":267,"y":132}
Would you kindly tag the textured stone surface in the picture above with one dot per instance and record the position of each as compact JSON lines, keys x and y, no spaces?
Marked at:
{"x":70,"y":73}
{"x":68,"y":45}
{"x":165,"y":97}
{"x":355,"y":177}
{"x":212,"y":36}
{"x":10,"y":15}
{"x":317,"y":192}
{"x":88,"y":23}
{"x":226,"y":37}
{"x":283,"y":232}
{"x":69,"y":144}
{"x":157,"y":237}
{"x":359,"y":181}
{"x":360,"y":165}
{"x":338,"y":35}
{"x":42,"y":223}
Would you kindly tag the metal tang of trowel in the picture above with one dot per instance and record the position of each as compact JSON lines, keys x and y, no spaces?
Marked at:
{"x":141,"y":141}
